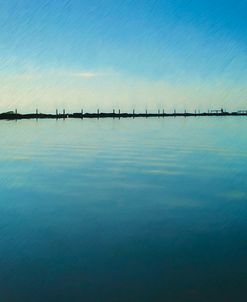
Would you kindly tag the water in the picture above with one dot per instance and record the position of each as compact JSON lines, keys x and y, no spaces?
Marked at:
{"x":123,"y":210}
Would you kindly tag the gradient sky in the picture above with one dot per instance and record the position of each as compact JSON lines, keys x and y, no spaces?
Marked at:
{"x":123,"y":54}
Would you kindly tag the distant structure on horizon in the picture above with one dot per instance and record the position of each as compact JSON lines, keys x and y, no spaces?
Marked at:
{"x":14,"y":115}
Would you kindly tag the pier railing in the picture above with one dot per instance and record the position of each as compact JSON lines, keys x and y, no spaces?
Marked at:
{"x":15,"y":115}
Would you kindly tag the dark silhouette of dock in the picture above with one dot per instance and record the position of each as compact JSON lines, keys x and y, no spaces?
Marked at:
{"x":14,"y":115}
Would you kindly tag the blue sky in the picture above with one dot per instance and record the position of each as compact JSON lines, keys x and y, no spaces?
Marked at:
{"x":143,"y":54}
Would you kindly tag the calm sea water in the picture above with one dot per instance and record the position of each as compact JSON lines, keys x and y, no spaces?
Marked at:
{"x":123,"y":210}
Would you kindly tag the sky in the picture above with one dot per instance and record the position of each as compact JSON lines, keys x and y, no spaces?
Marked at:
{"x":142,"y":54}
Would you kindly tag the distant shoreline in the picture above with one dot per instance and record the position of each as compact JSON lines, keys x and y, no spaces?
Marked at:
{"x":97,"y":115}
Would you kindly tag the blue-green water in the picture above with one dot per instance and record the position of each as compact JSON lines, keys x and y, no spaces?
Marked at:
{"x":123,"y":210}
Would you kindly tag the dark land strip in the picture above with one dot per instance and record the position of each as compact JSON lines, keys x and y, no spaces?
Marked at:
{"x":81,"y":115}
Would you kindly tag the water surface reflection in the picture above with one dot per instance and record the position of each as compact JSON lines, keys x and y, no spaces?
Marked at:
{"x":123,"y":210}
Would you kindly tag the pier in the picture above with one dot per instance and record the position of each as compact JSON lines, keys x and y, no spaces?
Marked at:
{"x":15,"y":115}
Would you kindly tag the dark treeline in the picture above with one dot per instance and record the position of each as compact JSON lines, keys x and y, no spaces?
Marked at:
{"x":14,"y":115}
